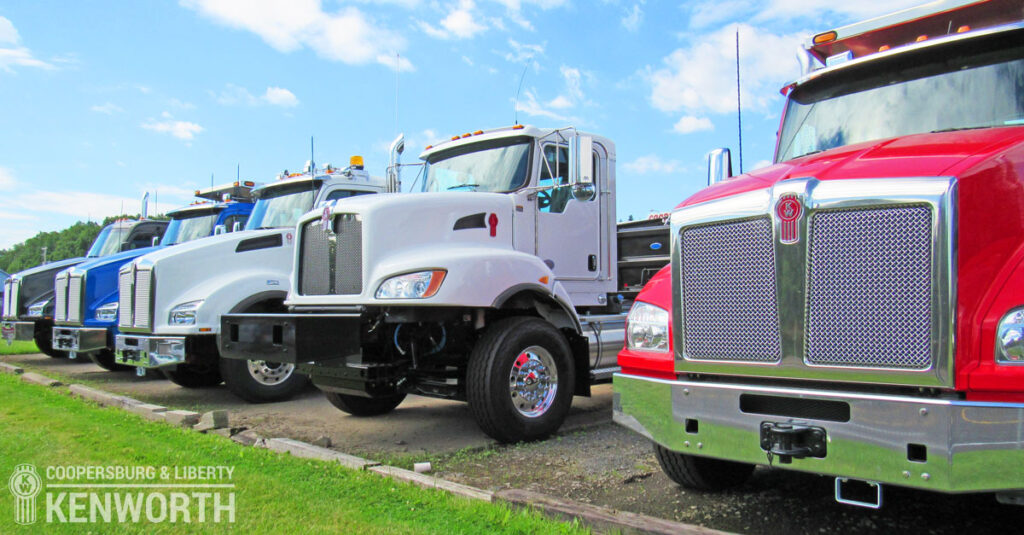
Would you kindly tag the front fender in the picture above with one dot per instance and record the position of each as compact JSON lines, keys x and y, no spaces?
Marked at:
{"x":222,"y":294}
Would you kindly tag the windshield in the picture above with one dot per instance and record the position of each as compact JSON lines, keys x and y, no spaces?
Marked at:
{"x":190,"y":226}
{"x":943,"y":92}
{"x":282,"y":206}
{"x":498,"y":166}
{"x":108,"y":241}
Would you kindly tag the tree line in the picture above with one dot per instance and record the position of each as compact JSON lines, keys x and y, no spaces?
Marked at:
{"x":71,"y":242}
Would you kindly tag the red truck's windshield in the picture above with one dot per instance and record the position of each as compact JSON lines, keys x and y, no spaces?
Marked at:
{"x":946,"y":88}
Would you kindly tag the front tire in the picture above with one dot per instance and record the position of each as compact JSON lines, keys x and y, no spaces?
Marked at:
{"x":193,"y":375}
{"x":44,"y":341}
{"x":520,"y":380}
{"x":258,"y":381}
{"x":104,"y":358}
{"x":702,"y":473}
{"x":360,"y":406}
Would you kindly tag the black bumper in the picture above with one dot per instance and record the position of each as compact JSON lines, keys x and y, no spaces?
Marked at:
{"x":290,"y":338}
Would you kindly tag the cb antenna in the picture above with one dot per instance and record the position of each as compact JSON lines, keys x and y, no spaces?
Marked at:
{"x":739,"y":109}
{"x":515,"y":107}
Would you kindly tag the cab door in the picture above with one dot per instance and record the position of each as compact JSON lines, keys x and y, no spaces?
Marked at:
{"x":568,"y":229}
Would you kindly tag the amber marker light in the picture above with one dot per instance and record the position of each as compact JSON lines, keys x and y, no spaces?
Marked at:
{"x":544,"y":279}
{"x":964,"y":28}
{"x":921,"y":38}
{"x":517,"y":127}
{"x":826,"y":37}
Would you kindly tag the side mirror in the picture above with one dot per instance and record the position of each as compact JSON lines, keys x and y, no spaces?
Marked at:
{"x":719,"y":165}
{"x":155,"y":241}
{"x":125,"y":246}
{"x":581,"y":166}
{"x":219,"y":229}
{"x":237,"y":226}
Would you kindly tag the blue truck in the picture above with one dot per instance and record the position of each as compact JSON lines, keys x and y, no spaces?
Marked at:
{"x":28,"y":302}
{"x":86,"y":295}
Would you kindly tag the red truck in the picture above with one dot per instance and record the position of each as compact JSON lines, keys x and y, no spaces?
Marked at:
{"x":856,"y":309}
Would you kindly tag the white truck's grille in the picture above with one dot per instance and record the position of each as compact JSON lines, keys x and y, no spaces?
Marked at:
{"x":141,"y":308}
{"x":331,"y":263}
{"x":60,"y":304}
{"x":125,"y":297}
{"x":11,"y":288}
{"x":76,"y":285}
{"x":135,"y":287}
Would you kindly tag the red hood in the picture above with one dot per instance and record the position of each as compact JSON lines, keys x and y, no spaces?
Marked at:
{"x":947,"y":153}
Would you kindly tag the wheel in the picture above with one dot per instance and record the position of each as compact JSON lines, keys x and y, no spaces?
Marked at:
{"x":360,"y":406}
{"x":193,"y":375}
{"x":701,"y":473}
{"x":260,"y":381}
{"x":104,"y":358}
{"x":44,"y":341}
{"x":520,"y":380}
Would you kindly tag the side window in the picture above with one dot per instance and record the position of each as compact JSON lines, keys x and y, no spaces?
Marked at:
{"x":554,"y":177}
{"x":142,"y":236}
{"x":344,"y":194}
{"x":230,"y":221}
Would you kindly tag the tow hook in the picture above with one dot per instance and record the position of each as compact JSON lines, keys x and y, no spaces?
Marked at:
{"x":788,"y":441}
{"x":860,"y":493}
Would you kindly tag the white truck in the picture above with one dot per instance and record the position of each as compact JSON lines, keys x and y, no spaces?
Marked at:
{"x":171,"y":300}
{"x":499,"y":284}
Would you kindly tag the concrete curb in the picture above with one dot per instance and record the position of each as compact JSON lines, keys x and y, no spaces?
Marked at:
{"x":35,"y":378}
{"x":432,"y":482}
{"x":11,"y":369}
{"x":308,"y":451}
{"x":103,"y":398}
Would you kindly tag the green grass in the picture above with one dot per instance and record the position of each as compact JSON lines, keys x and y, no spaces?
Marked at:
{"x":18,"y":348}
{"x":273,"y":493}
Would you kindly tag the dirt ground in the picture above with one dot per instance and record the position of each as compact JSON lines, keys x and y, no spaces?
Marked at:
{"x":592,"y":461}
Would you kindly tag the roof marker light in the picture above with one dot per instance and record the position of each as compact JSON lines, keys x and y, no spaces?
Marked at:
{"x":826,"y":37}
{"x":455,"y":138}
{"x":478,"y":132}
{"x":249,"y":183}
{"x":964,"y":28}
{"x":428,"y":147}
{"x":467,"y":134}
{"x":883,"y":48}
{"x":517,"y":127}
{"x":921,"y":38}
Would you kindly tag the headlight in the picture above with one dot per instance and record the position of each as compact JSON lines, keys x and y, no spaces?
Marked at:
{"x":36,"y":310}
{"x":647,"y":328}
{"x":185,"y":313}
{"x":412,"y":285}
{"x":1010,"y":338}
{"x":107,"y":312}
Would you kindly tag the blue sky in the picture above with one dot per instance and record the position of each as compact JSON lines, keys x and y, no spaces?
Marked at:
{"x":101,"y":101}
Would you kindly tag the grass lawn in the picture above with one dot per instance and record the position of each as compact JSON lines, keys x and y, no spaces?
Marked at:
{"x":18,"y":348}
{"x":272,"y":493}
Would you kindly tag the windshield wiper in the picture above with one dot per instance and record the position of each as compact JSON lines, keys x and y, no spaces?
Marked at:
{"x":464,"y":186}
{"x":958,"y":128}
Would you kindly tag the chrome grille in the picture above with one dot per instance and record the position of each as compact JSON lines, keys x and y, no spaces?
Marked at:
{"x":348,"y":257}
{"x":7,"y":298}
{"x":60,"y":304}
{"x":315,"y":275}
{"x":728,"y":292}
{"x":13,"y":302}
{"x":869,"y":288}
{"x":143,"y":288}
{"x":125,"y":297}
{"x":75,"y":287}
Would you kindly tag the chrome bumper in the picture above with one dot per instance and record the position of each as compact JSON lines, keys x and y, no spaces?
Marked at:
{"x":79,"y":339}
{"x":149,"y":351}
{"x":940,"y":445}
{"x":21,"y":331}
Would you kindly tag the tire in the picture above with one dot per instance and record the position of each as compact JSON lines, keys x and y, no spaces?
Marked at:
{"x":360,"y":406}
{"x":520,"y":349}
{"x":259,"y":381}
{"x":702,"y":473}
{"x":193,"y":376}
{"x":44,"y":341}
{"x":104,"y":358}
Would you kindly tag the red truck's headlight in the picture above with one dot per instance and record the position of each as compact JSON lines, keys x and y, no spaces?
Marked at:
{"x":647,"y":328}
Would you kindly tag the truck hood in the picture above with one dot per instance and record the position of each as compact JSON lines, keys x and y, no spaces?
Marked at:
{"x":201,"y":248}
{"x":52,"y":267}
{"x":920,"y":155}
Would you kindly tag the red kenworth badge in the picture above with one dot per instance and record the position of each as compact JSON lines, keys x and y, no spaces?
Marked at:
{"x":788,"y":210}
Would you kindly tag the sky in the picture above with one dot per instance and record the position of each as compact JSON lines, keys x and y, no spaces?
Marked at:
{"x":102,"y":101}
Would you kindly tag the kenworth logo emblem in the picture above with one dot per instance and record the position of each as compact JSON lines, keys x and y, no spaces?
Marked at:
{"x":325,"y":220}
{"x":788,"y":210}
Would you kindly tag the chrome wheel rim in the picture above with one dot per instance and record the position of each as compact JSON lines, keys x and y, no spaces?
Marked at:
{"x":269,"y":373}
{"x":533,"y":381}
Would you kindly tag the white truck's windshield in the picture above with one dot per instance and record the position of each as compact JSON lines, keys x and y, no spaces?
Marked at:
{"x":281,"y":206}
{"x":499,"y":166}
{"x":190,"y":226}
{"x":108,"y":241}
{"x":952,"y":91}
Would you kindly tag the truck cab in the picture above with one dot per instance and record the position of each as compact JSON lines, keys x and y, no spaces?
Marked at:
{"x":171,"y":300}
{"x":498,"y":284}
{"x":86,"y":295}
{"x":855,"y":310}
{"x":29,"y":299}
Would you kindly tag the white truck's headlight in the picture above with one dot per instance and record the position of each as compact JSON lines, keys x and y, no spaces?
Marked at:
{"x":185,"y":313}
{"x":1010,"y":338}
{"x":36,"y":310}
{"x":647,"y":328}
{"x":107,"y":312}
{"x":412,"y":285}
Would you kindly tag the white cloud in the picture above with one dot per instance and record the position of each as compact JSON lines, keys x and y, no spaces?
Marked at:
{"x":6,"y":179}
{"x":560,"y":102}
{"x":634,"y":17}
{"x":81,"y":204}
{"x":462,"y":22}
{"x":181,"y":105}
{"x":702,"y":78}
{"x":183,"y":130}
{"x":688,"y":124}
{"x":529,"y":105}
{"x":233,"y":95}
{"x":522,"y":52}
{"x":16,"y":55}
{"x":652,"y":164}
{"x":108,"y":108}
{"x":346,"y":35}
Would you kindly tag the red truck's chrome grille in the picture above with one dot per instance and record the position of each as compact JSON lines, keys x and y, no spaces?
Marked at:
{"x":728,"y":292}
{"x":331,"y":262}
{"x":869,"y":288}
